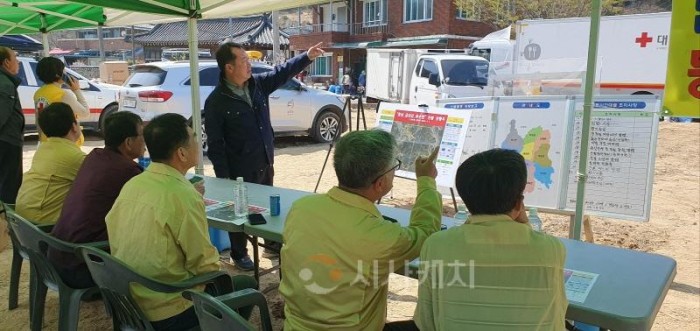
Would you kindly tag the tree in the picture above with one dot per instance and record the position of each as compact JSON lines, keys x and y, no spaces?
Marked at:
{"x":502,"y":13}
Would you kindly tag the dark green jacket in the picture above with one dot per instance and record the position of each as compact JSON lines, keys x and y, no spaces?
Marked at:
{"x":11,"y":117}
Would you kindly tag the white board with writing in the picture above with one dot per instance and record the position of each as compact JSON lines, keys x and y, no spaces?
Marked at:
{"x":537,"y":128}
{"x":622,"y":151}
{"x":418,"y":130}
{"x":481,"y":123}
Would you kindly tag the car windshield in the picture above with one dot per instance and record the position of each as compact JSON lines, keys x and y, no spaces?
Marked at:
{"x":465,"y":72}
{"x":146,"y":76}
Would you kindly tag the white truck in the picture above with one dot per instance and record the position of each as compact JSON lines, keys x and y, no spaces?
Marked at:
{"x":550,"y":55}
{"x":416,"y":76}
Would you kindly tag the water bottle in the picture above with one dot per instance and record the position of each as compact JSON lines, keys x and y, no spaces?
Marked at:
{"x":144,"y":160}
{"x":534,"y":220}
{"x":240,"y":198}
{"x":461,"y":215}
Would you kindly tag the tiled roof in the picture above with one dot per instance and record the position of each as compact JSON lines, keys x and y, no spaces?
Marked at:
{"x":249,"y":31}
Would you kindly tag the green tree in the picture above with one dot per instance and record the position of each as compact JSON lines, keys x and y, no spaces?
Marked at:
{"x":502,"y":13}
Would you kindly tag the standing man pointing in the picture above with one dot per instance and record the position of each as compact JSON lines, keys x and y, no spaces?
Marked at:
{"x":237,"y":122}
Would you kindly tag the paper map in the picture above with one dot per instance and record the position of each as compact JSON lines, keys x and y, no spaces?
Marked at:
{"x":418,"y":131}
{"x":537,"y":129}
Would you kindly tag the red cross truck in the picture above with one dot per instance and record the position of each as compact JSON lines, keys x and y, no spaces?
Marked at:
{"x":549,"y":56}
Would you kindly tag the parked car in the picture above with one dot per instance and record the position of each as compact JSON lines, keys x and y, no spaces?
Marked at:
{"x":101,"y":98}
{"x":164,"y":87}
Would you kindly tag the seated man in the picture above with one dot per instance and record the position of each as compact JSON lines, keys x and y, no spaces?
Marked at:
{"x":158,"y":226}
{"x":54,"y":166}
{"x":97,"y":185}
{"x":338,"y":249}
{"x":497,"y":273}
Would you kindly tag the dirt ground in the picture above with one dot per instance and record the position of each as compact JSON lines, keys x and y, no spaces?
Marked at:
{"x":673,"y":230}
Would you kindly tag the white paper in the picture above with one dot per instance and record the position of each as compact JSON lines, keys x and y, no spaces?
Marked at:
{"x":578,"y":284}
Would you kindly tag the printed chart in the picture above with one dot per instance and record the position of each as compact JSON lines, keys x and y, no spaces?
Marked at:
{"x":418,"y":131}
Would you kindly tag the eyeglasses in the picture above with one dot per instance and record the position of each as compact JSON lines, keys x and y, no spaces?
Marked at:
{"x":388,"y":171}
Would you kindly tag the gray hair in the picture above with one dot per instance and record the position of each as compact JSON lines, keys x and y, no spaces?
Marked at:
{"x":361,"y":156}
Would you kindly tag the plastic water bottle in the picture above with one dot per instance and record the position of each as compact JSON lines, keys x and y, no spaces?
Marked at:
{"x":240,"y":198}
{"x":534,"y":220}
{"x":461,"y":215}
{"x":145,"y":160}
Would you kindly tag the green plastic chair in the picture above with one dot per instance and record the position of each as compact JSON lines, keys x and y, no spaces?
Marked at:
{"x":36,"y":243}
{"x":114,"y":279}
{"x":18,"y":256}
{"x":219,"y":313}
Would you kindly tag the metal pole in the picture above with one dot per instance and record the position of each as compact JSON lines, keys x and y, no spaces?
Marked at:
{"x":193,"y":43}
{"x":299,"y":18}
{"x":575,"y":231}
{"x":101,"y":43}
{"x":133,"y":46}
{"x":275,"y":37}
{"x":44,"y":36}
{"x":45,"y":42}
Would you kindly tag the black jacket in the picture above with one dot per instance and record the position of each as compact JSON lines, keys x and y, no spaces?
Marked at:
{"x":11,"y":117}
{"x":240,"y":138}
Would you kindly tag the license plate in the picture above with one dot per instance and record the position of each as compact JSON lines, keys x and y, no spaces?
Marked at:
{"x":131,"y":103}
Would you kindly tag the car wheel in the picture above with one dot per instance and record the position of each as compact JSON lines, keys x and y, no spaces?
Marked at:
{"x":327,"y":127}
{"x":111,"y":109}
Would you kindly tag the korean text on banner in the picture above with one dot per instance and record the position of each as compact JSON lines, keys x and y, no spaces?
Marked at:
{"x":682,"y":95}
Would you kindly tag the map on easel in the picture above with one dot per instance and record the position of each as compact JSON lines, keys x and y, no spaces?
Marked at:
{"x":537,"y":129}
{"x":418,"y":131}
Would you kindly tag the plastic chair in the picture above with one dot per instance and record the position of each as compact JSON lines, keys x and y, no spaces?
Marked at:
{"x":36,"y":243}
{"x":18,"y":255}
{"x":218,"y":314}
{"x":114,"y":279}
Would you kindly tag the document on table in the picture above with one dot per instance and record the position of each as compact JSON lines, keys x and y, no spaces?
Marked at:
{"x":578,"y":284}
{"x":225,"y":211}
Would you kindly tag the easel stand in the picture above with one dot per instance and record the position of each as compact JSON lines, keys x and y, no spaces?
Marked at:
{"x":360,"y":111}
{"x":346,"y":107}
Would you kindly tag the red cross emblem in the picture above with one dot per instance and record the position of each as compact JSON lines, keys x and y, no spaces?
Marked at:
{"x":643,"y":40}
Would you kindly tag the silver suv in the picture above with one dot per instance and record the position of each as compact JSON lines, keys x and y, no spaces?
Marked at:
{"x":164,"y":87}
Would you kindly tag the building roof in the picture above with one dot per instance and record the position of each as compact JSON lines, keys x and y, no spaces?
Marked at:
{"x":249,"y":31}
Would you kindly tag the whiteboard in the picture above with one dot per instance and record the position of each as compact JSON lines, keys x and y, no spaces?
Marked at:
{"x":537,"y":128}
{"x":418,"y":130}
{"x":481,"y":123}
{"x":622,"y":152}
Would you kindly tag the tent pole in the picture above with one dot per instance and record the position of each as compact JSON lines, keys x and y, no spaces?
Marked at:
{"x":101,"y":42}
{"x":45,"y":42}
{"x":44,"y":34}
{"x":275,"y":38}
{"x":133,"y":46}
{"x":194,"y":86}
{"x":575,"y":231}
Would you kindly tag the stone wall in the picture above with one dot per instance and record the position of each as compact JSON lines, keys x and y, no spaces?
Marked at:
{"x":90,"y":72}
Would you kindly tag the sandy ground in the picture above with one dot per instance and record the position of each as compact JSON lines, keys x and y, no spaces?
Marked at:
{"x":673,"y":230}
